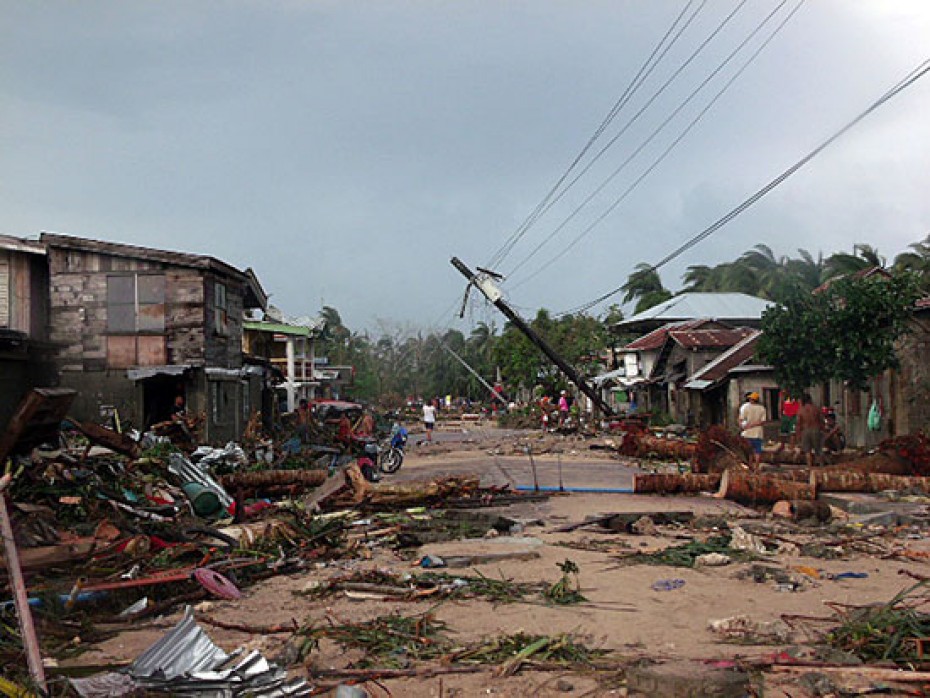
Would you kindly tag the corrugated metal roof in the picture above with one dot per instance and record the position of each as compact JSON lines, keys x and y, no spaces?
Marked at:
{"x":698,"y":339}
{"x":656,"y":338}
{"x":687,"y":306}
{"x":717,"y":369}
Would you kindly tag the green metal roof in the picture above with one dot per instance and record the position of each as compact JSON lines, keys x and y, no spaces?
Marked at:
{"x":277,"y":327}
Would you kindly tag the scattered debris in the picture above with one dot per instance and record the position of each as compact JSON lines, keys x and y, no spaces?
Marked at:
{"x":567,"y":590}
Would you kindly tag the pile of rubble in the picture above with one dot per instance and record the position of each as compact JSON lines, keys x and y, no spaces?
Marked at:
{"x":107,"y":528}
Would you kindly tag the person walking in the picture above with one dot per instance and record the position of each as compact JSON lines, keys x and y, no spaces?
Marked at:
{"x":429,"y":419}
{"x":751,"y":420}
{"x":810,"y":430}
{"x":563,"y":408}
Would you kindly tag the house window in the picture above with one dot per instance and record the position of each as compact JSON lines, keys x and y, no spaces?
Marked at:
{"x":136,"y":320}
{"x":136,"y":303}
{"x":220,"y":310}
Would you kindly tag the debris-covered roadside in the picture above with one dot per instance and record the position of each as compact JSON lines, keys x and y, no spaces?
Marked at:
{"x":110,"y":529}
{"x":285,"y":571}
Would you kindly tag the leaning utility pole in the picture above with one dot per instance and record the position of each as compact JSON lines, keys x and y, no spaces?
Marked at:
{"x":473,"y":372}
{"x":484,"y":283}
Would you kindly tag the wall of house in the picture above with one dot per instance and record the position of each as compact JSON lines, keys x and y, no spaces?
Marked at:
{"x":78,"y":317}
{"x":24,"y":293}
{"x":223,"y":346}
{"x":912,"y":393}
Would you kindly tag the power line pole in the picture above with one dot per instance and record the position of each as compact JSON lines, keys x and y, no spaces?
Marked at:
{"x":473,"y":372}
{"x":484,"y":283}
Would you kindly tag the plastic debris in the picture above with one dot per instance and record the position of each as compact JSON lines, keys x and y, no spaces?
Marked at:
{"x":668,"y":584}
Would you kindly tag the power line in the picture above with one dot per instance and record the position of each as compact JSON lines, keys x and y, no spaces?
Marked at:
{"x":920,"y":71}
{"x":610,"y":209}
{"x":644,"y":71}
{"x":636,"y":116}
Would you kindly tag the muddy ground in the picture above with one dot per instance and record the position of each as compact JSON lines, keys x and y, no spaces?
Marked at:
{"x":623,"y":613}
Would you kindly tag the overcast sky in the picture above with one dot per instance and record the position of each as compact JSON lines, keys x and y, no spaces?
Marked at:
{"x":346,"y":150}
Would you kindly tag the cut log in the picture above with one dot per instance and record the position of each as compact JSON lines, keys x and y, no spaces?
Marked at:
{"x":881,"y":462}
{"x":800,"y":510}
{"x":674,"y":483}
{"x":648,"y":446}
{"x":264,"y":478}
{"x":753,"y":488}
{"x":854,"y":481}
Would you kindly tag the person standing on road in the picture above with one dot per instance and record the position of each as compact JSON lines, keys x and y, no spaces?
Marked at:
{"x":429,"y":419}
{"x":810,"y":430}
{"x":740,"y":415}
{"x":563,"y":408}
{"x":751,"y":420}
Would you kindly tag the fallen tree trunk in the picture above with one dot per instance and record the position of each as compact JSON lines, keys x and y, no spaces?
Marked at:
{"x":674,"y":483}
{"x":753,"y":488}
{"x":881,"y":462}
{"x":265,"y":478}
{"x":641,"y":445}
{"x":854,"y":481}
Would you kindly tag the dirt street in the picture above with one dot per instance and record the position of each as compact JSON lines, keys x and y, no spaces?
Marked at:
{"x":634,"y":610}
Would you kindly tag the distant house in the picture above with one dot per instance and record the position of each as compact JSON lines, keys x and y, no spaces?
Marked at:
{"x":735,"y":309}
{"x":139,"y":327}
{"x":288,"y":349}
{"x":715,"y":392}
{"x":25,"y":351}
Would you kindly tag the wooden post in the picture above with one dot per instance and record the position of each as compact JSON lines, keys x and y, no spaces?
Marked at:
{"x":20,"y":600}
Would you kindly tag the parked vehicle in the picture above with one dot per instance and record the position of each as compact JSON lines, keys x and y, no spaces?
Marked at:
{"x":392,"y":453}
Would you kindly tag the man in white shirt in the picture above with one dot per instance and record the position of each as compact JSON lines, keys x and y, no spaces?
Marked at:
{"x":429,"y":419}
{"x":752,"y":417}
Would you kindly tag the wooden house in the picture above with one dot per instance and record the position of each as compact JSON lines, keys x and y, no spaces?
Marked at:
{"x":25,"y":352}
{"x":139,"y":327}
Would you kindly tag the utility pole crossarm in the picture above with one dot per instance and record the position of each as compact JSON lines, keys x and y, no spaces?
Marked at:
{"x":484,"y":283}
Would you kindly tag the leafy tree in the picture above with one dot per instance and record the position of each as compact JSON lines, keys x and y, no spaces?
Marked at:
{"x":846,"y":332}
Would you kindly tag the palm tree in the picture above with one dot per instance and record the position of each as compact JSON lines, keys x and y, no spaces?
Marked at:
{"x":916,"y":261}
{"x":863,"y":257}
{"x":645,"y":285}
{"x":805,"y":273}
{"x":700,"y":277}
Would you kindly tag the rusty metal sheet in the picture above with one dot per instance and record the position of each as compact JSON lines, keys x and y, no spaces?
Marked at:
{"x":153,"y":350}
{"x":121,"y":351}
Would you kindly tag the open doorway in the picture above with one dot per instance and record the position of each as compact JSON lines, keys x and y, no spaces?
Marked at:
{"x":159,"y":394}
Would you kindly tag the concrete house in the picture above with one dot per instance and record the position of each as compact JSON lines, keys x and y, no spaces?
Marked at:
{"x":138,"y":327}
{"x":25,"y":352}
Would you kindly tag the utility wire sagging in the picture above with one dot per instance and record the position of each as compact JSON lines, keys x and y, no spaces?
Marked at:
{"x":908,"y":80}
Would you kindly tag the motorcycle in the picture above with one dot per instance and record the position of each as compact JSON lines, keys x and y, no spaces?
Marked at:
{"x":392,"y":454}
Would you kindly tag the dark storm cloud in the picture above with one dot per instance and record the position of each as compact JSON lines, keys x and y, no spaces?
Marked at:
{"x":347,"y":150}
